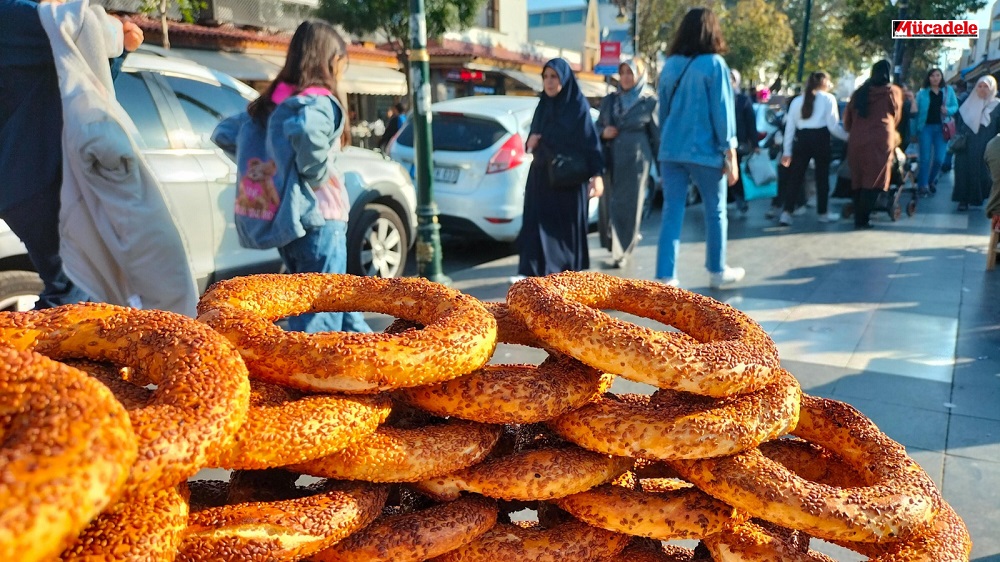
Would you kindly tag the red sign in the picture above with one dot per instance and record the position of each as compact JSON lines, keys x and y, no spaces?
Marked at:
{"x":611,"y":52}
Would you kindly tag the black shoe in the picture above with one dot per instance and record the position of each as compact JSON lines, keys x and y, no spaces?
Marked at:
{"x":946,"y":168}
{"x":963,"y":206}
{"x":933,"y":188}
{"x":863,"y":225}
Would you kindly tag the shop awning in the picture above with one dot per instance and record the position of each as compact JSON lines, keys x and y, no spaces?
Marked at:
{"x":531,"y":80}
{"x":242,"y":66}
{"x":377,"y":80}
{"x":594,"y":89}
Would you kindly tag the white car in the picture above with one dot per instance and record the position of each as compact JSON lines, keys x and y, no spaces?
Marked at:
{"x":176,"y":105}
{"x":480,"y":166}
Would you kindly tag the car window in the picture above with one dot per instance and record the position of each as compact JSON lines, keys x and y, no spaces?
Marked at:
{"x":458,"y":133}
{"x":205,"y":104}
{"x":134,"y":96}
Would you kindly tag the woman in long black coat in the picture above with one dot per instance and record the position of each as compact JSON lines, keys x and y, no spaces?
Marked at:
{"x":553,"y":235}
{"x":979,"y":120}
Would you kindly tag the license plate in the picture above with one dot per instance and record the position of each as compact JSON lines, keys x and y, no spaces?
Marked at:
{"x":446,"y":175}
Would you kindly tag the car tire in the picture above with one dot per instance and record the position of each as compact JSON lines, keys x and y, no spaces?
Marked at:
{"x":19,"y":290}
{"x":377,"y":244}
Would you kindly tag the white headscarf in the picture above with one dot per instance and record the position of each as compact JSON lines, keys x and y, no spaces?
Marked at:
{"x":975,"y":110}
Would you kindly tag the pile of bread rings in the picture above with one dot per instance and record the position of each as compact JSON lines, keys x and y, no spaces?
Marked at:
{"x":417,"y":448}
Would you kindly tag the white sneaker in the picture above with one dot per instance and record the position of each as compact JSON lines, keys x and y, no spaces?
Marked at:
{"x":799,"y":211}
{"x":785,"y":219}
{"x":772,"y":213}
{"x":829,"y":217}
{"x":515,"y":278}
{"x":672,"y":281}
{"x":727,"y":276}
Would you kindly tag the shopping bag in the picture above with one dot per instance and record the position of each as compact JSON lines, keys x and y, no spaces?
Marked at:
{"x":752,"y":189}
{"x":762,"y":169}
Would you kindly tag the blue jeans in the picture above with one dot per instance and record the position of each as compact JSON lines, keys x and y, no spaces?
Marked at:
{"x":711,"y":184}
{"x":322,"y":250}
{"x":932,"y":151}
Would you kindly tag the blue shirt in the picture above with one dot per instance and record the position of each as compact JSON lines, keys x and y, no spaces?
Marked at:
{"x":698,"y":125}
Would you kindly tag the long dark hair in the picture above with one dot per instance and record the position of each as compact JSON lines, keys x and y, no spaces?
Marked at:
{"x":312,"y":59}
{"x":879,"y":78}
{"x":815,"y":81}
{"x":699,"y":33}
{"x":927,"y":79}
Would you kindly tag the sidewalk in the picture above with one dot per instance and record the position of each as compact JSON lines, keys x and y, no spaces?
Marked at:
{"x":902,"y":321}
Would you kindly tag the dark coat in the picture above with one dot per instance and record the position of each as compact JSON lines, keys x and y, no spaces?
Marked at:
{"x":972,"y":177}
{"x":873,"y":138}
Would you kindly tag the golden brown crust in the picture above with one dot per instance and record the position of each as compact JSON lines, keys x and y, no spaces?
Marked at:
{"x":679,"y":425}
{"x":540,"y":474}
{"x":663,"y":510}
{"x":66,"y":447}
{"x":569,"y":541}
{"x":136,"y":529}
{"x":898,"y":498}
{"x":751,"y":542}
{"x":947,"y":541}
{"x":285,"y":427}
{"x":514,"y":394}
{"x":732,"y":354}
{"x":458,"y":337}
{"x":202,"y":390}
{"x":643,"y":550}
{"x":407,"y":455}
{"x":281,"y":530}
{"x":812,"y":462}
{"x":417,"y":536}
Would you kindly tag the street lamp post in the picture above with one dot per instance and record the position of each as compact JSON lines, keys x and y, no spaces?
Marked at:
{"x":635,"y":25}
{"x":805,"y":40}
{"x":897,"y":48}
{"x":428,"y":247}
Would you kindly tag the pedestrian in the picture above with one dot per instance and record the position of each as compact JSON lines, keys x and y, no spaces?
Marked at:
{"x":936,"y":102}
{"x":746,"y":139}
{"x":812,"y":118}
{"x":31,"y":155}
{"x":631,"y":133}
{"x":961,"y":94}
{"x":992,"y":158}
{"x":978,"y":122}
{"x":553,"y":235}
{"x":290,"y":196}
{"x":871,"y":118}
{"x":396,"y":118}
{"x":696,"y":106}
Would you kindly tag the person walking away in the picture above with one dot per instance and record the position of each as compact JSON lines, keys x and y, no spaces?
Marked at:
{"x":397,"y":116}
{"x":31,"y":125}
{"x":553,"y":235}
{"x":978,"y":121}
{"x":289,"y":195}
{"x":961,"y":94}
{"x":812,"y":118}
{"x":746,"y":138}
{"x":631,"y":133}
{"x":871,"y":118}
{"x":936,"y":101}
{"x":992,"y":158}
{"x":696,"y":105}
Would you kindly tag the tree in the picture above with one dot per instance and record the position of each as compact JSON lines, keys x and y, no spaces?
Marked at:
{"x":391,"y":18}
{"x":829,"y":49}
{"x":188,"y":9}
{"x":758,"y":35}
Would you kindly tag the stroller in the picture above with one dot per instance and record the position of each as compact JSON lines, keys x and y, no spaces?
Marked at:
{"x":903,"y":179}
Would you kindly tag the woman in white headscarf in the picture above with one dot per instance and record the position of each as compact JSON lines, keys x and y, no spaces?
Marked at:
{"x":978,"y":123}
{"x":631,"y":135}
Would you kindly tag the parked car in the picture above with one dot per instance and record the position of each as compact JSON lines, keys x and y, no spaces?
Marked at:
{"x":480,"y":166}
{"x":176,"y":105}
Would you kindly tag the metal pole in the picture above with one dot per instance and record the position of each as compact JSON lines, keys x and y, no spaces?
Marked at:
{"x":897,"y":51}
{"x":635,"y":29}
{"x":428,"y":230}
{"x":805,"y":40}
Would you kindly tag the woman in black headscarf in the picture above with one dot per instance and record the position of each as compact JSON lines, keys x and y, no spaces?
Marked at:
{"x":871,"y":118}
{"x":553,"y":235}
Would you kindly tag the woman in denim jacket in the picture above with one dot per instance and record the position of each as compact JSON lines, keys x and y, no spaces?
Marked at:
{"x":936,"y":102}
{"x":697,"y":143}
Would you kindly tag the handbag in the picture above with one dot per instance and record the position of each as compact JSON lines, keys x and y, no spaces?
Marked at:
{"x":948,"y":129}
{"x":957,"y":143}
{"x":568,"y":171}
{"x":760,"y":169}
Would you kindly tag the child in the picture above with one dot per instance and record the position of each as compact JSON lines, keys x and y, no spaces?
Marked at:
{"x":289,"y":196}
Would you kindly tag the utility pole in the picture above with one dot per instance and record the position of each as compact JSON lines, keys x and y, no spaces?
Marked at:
{"x":428,"y":229}
{"x":805,"y":39}
{"x":897,"y":49}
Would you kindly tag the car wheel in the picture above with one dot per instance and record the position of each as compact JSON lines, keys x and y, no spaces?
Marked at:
{"x":376,"y":243}
{"x":19,"y":290}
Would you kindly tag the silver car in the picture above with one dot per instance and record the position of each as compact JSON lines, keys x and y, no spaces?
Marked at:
{"x":176,"y":105}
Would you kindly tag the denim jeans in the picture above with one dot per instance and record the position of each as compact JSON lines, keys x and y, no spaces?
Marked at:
{"x":931,"y":141}
{"x":322,"y":250}
{"x":711,"y":184}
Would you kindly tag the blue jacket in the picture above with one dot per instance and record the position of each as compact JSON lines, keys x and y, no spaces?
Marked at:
{"x":924,"y":101}
{"x":699,"y":125}
{"x":289,"y":158}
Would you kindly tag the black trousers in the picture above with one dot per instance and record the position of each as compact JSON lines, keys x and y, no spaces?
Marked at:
{"x":864,"y":204}
{"x":810,"y":144}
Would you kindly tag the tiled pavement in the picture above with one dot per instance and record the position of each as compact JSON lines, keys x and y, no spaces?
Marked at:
{"x":901,"y":321}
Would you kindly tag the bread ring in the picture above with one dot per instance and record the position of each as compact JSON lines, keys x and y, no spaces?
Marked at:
{"x":286,"y":530}
{"x":569,"y":541}
{"x":898,"y":499}
{"x":66,"y":447}
{"x":663,"y":509}
{"x":136,"y":529}
{"x":680,"y":425}
{"x":947,"y":541}
{"x":285,"y":427}
{"x":510,"y":328}
{"x":514,"y":394}
{"x":643,"y":550}
{"x":812,"y":462}
{"x":416,"y":536}
{"x":458,"y":338}
{"x":202,"y":389}
{"x":751,"y":542}
{"x":407,"y":455}
{"x":735,"y":355}
{"x":541,"y":474}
